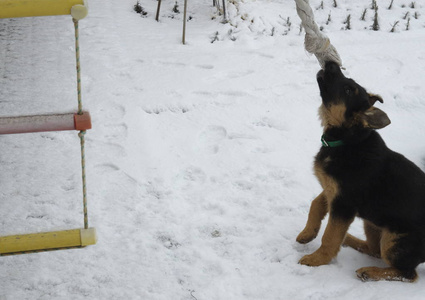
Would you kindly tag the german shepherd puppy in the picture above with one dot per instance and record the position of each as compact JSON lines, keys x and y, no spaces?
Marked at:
{"x":361,"y":177}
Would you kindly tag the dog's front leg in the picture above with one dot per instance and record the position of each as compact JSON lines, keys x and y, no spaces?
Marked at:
{"x":318,"y":210}
{"x":331,"y":242}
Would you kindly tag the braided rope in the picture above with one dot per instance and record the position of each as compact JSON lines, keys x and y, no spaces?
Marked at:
{"x":82,"y":133}
{"x":77,"y":56}
{"x":315,"y":41}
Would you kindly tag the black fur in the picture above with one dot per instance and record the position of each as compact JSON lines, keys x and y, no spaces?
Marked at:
{"x":375,"y":183}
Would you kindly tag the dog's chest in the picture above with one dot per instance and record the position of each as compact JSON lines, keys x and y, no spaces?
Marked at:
{"x":327,"y":181}
{"x":335,"y":170}
{"x":325,"y":163}
{"x":339,"y":164}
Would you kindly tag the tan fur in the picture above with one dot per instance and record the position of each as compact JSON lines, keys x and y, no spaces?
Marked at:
{"x":332,"y":116}
{"x":375,"y":273}
{"x":359,"y":118}
{"x":373,"y":237}
{"x":336,"y":229}
{"x":356,"y":92}
{"x":356,"y":244}
{"x":378,"y":241}
{"x":331,"y":242}
{"x":318,"y":210}
{"x":329,"y":185}
{"x":319,"y":206}
{"x":388,"y":241}
{"x":373,"y":240}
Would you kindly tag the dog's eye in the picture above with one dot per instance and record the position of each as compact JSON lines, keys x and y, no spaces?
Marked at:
{"x":348,"y":91}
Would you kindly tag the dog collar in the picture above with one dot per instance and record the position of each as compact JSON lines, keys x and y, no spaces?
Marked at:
{"x":332,"y":144}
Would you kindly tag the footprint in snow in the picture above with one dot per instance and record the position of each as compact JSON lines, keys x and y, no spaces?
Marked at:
{"x":271,"y":123}
{"x":194,"y":174}
{"x":232,"y":75}
{"x":206,"y":67}
{"x":238,"y":74}
{"x":115,"y":112}
{"x":116,"y":130}
{"x":106,"y":167}
{"x":210,"y":138}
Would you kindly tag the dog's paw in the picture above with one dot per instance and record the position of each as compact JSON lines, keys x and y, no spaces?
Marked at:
{"x":306,"y":236}
{"x":391,"y":274}
{"x":315,"y":260}
{"x":366,"y":274}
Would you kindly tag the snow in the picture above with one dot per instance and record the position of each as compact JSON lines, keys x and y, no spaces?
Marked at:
{"x":199,"y":163}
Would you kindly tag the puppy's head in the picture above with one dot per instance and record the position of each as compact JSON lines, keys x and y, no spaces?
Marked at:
{"x":345,"y":103}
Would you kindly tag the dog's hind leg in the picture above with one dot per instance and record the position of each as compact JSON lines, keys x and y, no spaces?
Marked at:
{"x":318,"y":210}
{"x":356,"y":244}
{"x":402,"y":252}
{"x":373,"y":240}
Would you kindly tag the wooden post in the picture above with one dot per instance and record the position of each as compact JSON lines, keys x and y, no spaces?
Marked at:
{"x":184,"y":22}
{"x":157,"y":10}
{"x":224,"y":11}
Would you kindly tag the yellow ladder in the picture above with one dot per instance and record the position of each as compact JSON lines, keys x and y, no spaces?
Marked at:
{"x":65,"y":239}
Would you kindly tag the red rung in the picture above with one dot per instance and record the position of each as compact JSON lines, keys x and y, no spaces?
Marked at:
{"x":41,"y":123}
{"x":83,"y":121}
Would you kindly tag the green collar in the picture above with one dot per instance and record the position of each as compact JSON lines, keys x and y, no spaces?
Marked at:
{"x":332,"y":144}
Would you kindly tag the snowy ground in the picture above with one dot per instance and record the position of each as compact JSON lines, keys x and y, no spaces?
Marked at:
{"x":200,"y":159}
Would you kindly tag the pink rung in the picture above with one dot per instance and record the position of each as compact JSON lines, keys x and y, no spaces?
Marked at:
{"x":40,"y":123}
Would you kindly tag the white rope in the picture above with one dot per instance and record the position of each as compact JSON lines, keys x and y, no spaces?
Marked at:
{"x":315,"y":41}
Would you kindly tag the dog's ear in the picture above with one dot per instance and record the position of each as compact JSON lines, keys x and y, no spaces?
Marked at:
{"x":373,"y":98}
{"x":374,"y":118}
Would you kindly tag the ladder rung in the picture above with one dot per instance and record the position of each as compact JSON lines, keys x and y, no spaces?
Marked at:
{"x":45,"y":241}
{"x":40,"y":123}
{"x":35,"y":8}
